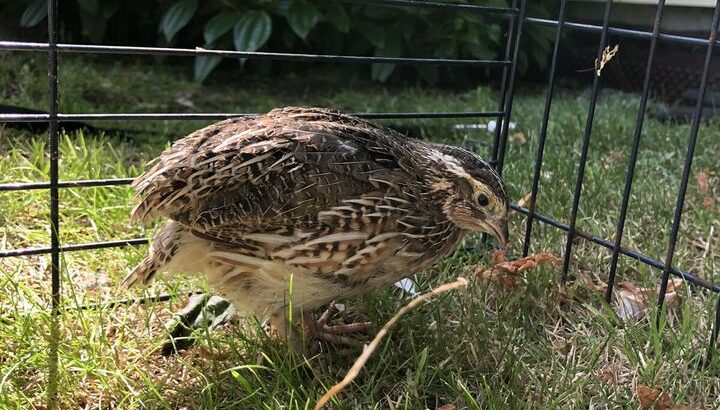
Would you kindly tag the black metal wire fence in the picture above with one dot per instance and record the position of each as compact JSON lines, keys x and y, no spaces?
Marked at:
{"x":516,"y":20}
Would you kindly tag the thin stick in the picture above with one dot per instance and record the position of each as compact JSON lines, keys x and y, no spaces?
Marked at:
{"x":365,"y":356}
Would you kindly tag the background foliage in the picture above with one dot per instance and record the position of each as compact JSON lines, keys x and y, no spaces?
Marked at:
{"x":301,"y":26}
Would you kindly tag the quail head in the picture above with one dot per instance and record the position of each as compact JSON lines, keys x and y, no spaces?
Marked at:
{"x":332,"y":203}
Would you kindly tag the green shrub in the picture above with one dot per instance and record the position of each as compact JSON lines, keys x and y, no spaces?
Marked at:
{"x":307,"y":26}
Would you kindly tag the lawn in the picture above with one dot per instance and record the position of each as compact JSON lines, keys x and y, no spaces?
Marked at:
{"x":537,"y":345}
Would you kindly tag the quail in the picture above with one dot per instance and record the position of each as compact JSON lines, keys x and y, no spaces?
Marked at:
{"x":288,"y":211}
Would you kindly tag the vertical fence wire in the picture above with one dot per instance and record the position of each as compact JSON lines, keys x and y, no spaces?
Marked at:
{"x":54,"y":203}
{"x":512,"y":24}
{"x":543,"y":130}
{"x":713,"y":334}
{"x":692,"y":140}
{"x":634,"y":152}
{"x":585,"y":145}
{"x":505,"y":124}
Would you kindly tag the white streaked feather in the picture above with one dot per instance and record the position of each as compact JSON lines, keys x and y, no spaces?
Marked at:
{"x":271,"y":238}
{"x":238,"y":257}
{"x":337,"y":237}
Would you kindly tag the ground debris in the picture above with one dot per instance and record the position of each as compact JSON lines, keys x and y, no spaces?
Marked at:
{"x":505,"y":271}
{"x":631,"y":301}
{"x":651,"y":397}
{"x":655,"y":398}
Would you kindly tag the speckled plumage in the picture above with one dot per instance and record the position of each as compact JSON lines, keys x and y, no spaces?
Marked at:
{"x":341,"y":205}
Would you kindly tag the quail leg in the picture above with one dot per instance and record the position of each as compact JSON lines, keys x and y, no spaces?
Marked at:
{"x":319,"y":330}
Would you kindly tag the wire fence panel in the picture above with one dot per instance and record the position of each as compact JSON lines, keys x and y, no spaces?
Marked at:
{"x":516,"y":18}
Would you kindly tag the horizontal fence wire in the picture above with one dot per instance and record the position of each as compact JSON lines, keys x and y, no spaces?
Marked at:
{"x":253,"y":55}
{"x":74,"y":247}
{"x":622,"y":32}
{"x":222,"y":116}
{"x":623,"y":250}
{"x":431,"y":4}
{"x":84,"y":183}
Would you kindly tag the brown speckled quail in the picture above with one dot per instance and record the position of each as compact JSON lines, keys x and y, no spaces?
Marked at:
{"x":336,"y":203}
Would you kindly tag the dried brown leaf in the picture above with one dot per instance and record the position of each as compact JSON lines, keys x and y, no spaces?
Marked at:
{"x":518,"y":137}
{"x":446,"y":407}
{"x":708,"y":202}
{"x":631,"y":301}
{"x":504,"y":271}
{"x":616,"y":155}
{"x":526,"y":201}
{"x":703,"y":181}
{"x":607,"y":55}
{"x":608,"y":377}
{"x":653,"y":398}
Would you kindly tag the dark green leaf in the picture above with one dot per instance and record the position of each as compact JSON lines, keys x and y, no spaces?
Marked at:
{"x":108,"y":8}
{"x":91,"y":6}
{"x":93,"y":26}
{"x":220,"y":24}
{"x":393,"y":48}
{"x":481,"y":51}
{"x":374,"y":34}
{"x":204,"y":65}
{"x":429,"y":73}
{"x":252,"y":31}
{"x":338,"y":17}
{"x":177,"y":17}
{"x":302,"y":17}
{"x":495,"y":33}
{"x":34,"y":13}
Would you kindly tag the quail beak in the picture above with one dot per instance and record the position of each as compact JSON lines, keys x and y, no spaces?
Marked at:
{"x":501,"y":233}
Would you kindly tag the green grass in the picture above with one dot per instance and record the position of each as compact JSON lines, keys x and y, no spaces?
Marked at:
{"x":540,"y":345}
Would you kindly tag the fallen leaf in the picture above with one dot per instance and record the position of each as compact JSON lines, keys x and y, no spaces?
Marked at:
{"x":184,"y":100}
{"x":653,"y":398}
{"x":608,"y":377}
{"x":206,"y":353}
{"x":505,"y":271}
{"x":518,"y":137}
{"x":446,"y":407}
{"x":703,"y":181}
{"x":631,"y":301}
{"x":708,"y":202}
{"x":526,"y":201}
{"x":616,"y":155}
{"x":498,"y":257}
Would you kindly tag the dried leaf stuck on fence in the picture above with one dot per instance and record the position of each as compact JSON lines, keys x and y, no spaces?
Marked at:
{"x":607,"y":55}
{"x":526,"y":201}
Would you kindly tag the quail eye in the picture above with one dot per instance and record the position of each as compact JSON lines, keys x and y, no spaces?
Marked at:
{"x":483,"y":200}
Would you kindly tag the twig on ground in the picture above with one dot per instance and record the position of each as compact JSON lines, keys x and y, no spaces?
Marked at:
{"x":369,"y":349}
